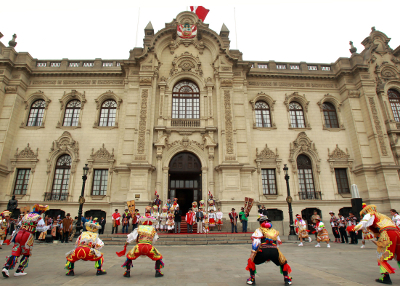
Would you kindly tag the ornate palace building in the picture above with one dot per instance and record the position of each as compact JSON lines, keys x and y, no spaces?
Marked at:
{"x":185,"y":115}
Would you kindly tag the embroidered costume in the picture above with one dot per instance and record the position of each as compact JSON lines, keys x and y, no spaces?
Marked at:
{"x":156,"y":215}
{"x":194,"y":206}
{"x":219,"y":216}
{"x":145,"y":236}
{"x":322,"y":233}
{"x":170,"y":221}
{"x":265,"y":248}
{"x":174,"y":205}
{"x":3,"y":226}
{"x":212,"y":219}
{"x":23,"y":240}
{"x":87,"y":248}
{"x":388,"y":239}
{"x":301,"y":229}
{"x":164,"y":218}
{"x":211,"y":204}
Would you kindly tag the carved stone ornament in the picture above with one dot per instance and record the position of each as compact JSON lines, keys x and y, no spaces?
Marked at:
{"x":11,"y":89}
{"x":107,"y":95}
{"x":303,"y":145}
{"x":267,"y":153}
{"x":268,"y":158}
{"x":353,"y":93}
{"x":378,"y":126}
{"x":101,"y":157}
{"x":142,"y":124}
{"x":72,"y":95}
{"x":331,"y":99}
{"x":64,"y":145}
{"x":185,"y":143}
{"x":226,"y":82}
{"x":263,"y":97}
{"x":338,"y":158}
{"x":295,"y":96}
{"x":228,"y":122}
{"x":145,"y":81}
{"x":186,"y":62}
{"x":27,"y":158}
{"x":35,"y":96}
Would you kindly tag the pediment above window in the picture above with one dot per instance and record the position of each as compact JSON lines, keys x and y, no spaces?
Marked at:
{"x":186,"y":63}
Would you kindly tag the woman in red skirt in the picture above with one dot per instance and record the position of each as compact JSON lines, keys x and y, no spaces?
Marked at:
{"x":219,"y":216}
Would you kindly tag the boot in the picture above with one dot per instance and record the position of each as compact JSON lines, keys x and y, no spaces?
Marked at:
{"x":127,"y":273}
{"x":100,"y":272}
{"x":159,"y":273}
{"x":288,"y":280}
{"x":159,"y":265}
{"x":252,"y":279}
{"x":384,"y":279}
{"x":5,"y":273}
{"x":70,"y":272}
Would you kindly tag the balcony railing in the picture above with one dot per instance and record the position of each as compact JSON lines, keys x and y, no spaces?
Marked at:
{"x":309,"y":195}
{"x":56,"y":196}
{"x":185,"y":122}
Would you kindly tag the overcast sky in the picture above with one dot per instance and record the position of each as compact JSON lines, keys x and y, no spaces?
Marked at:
{"x":289,"y":31}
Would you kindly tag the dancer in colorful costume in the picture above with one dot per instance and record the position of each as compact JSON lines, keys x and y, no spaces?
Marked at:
{"x":157,"y":201}
{"x":168,"y":204}
{"x":388,"y":239}
{"x":23,"y":240}
{"x":87,"y":248}
{"x":3,"y":226}
{"x":145,"y":236}
{"x":211,"y":204}
{"x":170,"y":221}
{"x":174,"y":205}
{"x":194,"y":206}
{"x":301,"y":229}
{"x":265,"y":248}
{"x":322,"y":233}
{"x":366,"y":235}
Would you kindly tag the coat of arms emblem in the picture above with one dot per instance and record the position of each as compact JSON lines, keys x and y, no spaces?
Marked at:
{"x":186,"y":31}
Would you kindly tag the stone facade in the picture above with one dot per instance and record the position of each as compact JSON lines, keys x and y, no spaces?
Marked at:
{"x":228,"y":142}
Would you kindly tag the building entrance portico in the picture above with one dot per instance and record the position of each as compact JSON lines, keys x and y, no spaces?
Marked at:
{"x":185,"y":180}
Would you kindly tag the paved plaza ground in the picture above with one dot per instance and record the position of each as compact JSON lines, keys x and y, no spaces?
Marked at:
{"x":207,"y":265}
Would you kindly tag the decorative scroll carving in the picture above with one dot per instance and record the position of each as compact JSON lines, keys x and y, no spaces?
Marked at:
{"x":110,"y":82}
{"x":339,"y":158}
{"x":143,"y":122}
{"x":303,"y":145}
{"x":267,"y":153}
{"x":107,"y":95}
{"x":186,"y":62}
{"x":353,"y":93}
{"x":226,"y":82}
{"x":185,"y":142}
{"x":101,"y":157}
{"x":26,"y":158}
{"x":295,"y":96}
{"x":378,"y":127}
{"x":11,"y":89}
{"x":145,"y":81}
{"x":267,"y":159}
{"x":228,"y":122}
{"x":26,"y":153}
{"x":72,"y":95}
{"x":263,"y":97}
{"x":65,"y":144}
{"x":329,"y":98}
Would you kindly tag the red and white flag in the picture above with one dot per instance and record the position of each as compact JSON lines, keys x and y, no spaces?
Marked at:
{"x":200,"y":11}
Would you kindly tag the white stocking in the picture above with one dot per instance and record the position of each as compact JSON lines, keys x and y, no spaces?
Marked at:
{"x":1,"y":242}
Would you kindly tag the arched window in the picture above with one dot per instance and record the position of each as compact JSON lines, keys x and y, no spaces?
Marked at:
{"x":296,"y":115}
{"x":306,"y":181}
{"x":36,"y":113}
{"x":394,"y":99}
{"x":72,"y":111}
{"x":108,"y":113}
{"x":61,"y":178}
{"x":186,"y":100}
{"x":330,"y":115}
{"x":263,"y":118}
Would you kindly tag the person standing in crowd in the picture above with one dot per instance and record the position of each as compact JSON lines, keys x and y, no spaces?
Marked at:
{"x":102,"y":224}
{"x":334,"y":225}
{"x":314,"y":220}
{"x":233,"y":216}
{"x":263,"y":211}
{"x":177,"y":219}
{"x":219,"y":216}
{"x":67,"y":228}
{"x":395,"y":217}
{"x":199,"y":220}
{"x":212,"y":219}
{"x":125,"y":221}
{"x":352,"y":221}
{"x":190,"y":218}
{"x":74,"y":222}
{"x":116,"y":220}
{"x":243,"y":219}
{"x":342,"y":228}
{"x":135,"y":219}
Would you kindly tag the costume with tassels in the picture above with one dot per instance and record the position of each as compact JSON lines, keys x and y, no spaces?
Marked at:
{"x":23,"y":240}
{"x":265,"y":248}
{"x":388,"y":239}
{"x":87,"y":248}
{"x":145,"y":236}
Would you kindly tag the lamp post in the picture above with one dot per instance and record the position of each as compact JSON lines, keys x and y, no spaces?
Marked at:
{"x":82,"y":199}
{"x":292,"y":234}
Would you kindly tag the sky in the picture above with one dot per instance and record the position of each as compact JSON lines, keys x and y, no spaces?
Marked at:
{"x":287,"y":31}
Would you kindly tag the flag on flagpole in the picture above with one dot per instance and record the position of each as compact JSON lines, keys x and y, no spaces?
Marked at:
{"x":200,"y":11}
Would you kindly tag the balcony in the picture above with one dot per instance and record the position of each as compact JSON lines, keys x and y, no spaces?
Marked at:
{"x":56,"y":197}
{"x":309,"y":195}
{"x":185,"y":122}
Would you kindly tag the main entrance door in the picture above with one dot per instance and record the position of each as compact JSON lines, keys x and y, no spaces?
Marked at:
{"x":185,"y":180}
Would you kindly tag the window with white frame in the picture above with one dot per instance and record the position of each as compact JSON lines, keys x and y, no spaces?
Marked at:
{"x":268,"y":181}
{"x":186,"y":100}
{"x":72,"y":111}
{"x":100,"y":181}
{"x":36,"y":113}
{"x":263,"y":117}
{"x":296,"y":115}
{"x":21,"y":182}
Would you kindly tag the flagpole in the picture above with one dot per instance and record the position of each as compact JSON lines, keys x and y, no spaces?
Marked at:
{"x":137,"y":28}
{"x":234,"y":15}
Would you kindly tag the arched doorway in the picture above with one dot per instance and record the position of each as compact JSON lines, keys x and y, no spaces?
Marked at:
{"x":307,"y":216}
{"x":185,"y":180}
{"x":95,"y":214}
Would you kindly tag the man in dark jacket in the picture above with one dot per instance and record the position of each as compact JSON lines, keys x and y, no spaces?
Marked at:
{"x":103,"y":225}
{"x":199,"y":220}
{"x":177,"y":219}
{"x":263,"y":211}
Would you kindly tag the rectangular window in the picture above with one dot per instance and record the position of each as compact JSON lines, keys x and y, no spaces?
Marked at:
{"x":21,"y":183}
{"x":268,"y":181}
{"x":100,"y":180}
{"x":342,"y":181}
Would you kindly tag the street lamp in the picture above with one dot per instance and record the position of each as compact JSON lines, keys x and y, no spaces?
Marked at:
{"x":82,"y":199}
{"x":292,"y":234}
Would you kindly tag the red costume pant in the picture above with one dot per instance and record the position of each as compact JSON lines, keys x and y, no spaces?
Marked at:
{"x":388,"y":248}
{"x":23,"y":243}
{"x":83,"y":253}
{"x":144,"y":249}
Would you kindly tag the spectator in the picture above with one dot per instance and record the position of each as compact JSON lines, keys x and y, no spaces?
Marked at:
{"x":352,"y":220}
{"x":177,"y":219}
{"x":263,"y":211}
{"x":219,"y":215}
{"x":212,"y":219}
{"x":342,"y":228}
{"x":125,"y":221}
{"x":74,"y":222}
{"x":67,"y":228}
{"x":135,"y":219}
{"x":243,"y":219}
{"x":314,"y":218}
{"x":334,"y":225}
{"x":396,"y":217}
{"x":103,"y":225}
{"x":233,"y":216}
{"x":116,"y":220}
{"x":199,"y":220}
{"x":190,"y":218}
